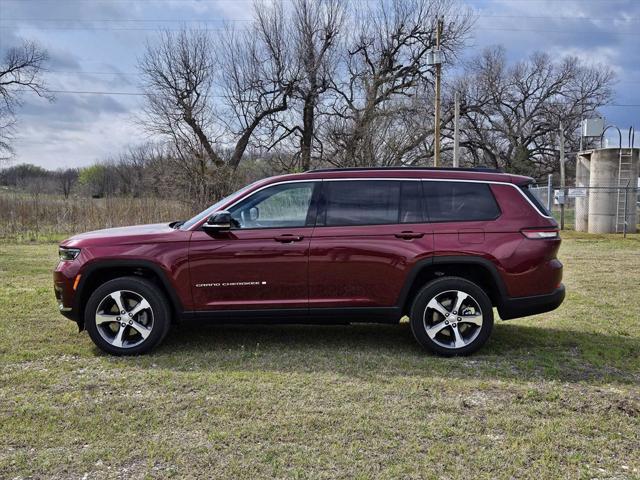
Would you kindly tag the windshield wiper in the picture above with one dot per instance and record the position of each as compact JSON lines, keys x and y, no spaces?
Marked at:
{"x":177,"y":224}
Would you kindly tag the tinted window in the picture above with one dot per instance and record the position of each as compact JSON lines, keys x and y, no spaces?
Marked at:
{"x":535,"y":199}
{"x":285,"y":205}
{"x":361,"y":202}
{"x":459,"y":201}
{"x":411,"y":202}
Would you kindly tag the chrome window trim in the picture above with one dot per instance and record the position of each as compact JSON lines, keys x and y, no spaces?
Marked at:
{"x":310,"y":180}
{"x":493,"y":182}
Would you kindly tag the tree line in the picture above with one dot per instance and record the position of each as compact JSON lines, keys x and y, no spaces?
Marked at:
{"x":312,"y":83}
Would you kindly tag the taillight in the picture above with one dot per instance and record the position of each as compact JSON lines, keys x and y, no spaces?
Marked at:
{"x":540,"y":234}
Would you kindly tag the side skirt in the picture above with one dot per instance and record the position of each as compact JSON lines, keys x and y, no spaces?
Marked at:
{"x":315,"y":316}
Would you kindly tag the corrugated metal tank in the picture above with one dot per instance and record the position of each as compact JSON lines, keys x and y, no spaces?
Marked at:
{"x":603,"y":192}
{"x":582,"y":180}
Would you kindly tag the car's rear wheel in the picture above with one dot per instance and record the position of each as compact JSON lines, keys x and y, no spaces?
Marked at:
{"x":127,"y":316}
{"x":451,"y":316}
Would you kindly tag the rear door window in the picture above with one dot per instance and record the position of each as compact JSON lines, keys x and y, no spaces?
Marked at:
{"x":411,"y":208}
{"x":360,"y":202}
{"x":370,"y":202}
{"x":459,"y":201}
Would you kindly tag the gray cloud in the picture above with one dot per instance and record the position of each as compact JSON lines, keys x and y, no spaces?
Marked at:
{"x":72,"y":109}
{"x":605,"y":33}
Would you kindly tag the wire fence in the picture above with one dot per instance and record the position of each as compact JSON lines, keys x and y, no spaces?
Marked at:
{"x":593,"y":209}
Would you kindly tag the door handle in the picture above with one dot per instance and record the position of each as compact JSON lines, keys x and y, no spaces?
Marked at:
{"x":288,"y":238}
{"x":407,"y":235}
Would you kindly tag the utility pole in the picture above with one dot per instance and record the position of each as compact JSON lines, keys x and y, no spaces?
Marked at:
{"x":562,"y":177}
{"x":456,"y":132}
{"x":436,"y":131}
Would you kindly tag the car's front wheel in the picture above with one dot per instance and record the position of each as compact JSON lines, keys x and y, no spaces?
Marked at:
{"x":451,"y":316}
{"x":127,"y":316}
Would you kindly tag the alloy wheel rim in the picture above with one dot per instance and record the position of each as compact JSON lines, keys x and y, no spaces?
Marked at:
{"x":452,"y":319}
{"x":124,"y":319}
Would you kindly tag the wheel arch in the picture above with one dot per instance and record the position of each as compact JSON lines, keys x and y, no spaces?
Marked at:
{"x":479,"y":270}
{"x":98,"y":273}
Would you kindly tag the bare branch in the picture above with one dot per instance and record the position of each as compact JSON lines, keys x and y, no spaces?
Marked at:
{"x":21,"y":70}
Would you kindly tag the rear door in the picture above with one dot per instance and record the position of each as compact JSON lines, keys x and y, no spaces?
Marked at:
{"x":368,"y":235}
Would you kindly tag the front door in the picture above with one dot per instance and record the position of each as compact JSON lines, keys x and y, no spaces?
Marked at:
{"x":263,"y":261}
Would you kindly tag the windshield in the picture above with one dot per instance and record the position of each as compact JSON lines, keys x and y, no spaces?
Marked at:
{"x":206,"y":213}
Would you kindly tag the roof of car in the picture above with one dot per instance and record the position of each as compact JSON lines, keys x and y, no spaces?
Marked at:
{"x":482,"y":174}
{"x":444,"y":169}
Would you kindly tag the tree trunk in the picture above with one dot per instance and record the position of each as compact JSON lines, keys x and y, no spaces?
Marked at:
{"x":204,"y":141}
{"x":243,"y":141}
{"x":308,"y":120}
{"x":241,"y":146}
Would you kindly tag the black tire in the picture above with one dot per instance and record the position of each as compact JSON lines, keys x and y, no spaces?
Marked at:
{"x":153,"y":321}
{"x":443,"y":338}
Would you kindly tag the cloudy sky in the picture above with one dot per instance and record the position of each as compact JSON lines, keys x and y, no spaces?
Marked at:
{"x":94,"y":45}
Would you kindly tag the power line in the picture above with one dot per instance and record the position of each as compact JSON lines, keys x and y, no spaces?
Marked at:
{"x":94,"y":28}
{"x":539,"y":30}
{"x":234,"y":20}
{"x":235,"y":1}
{"x":535,"y":30}
{"x":134,"y":74}
{"x":142,"y":94}
{"x":81,"y":72}
{"x":85,"y":92}
{"x":139,"y":1}
{"x":98,"y":92}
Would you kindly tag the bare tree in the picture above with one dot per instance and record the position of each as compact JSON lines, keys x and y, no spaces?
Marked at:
{"x":178,"y":78}
{"x":386,"y":67}
{"x":313,"y":32}
{"x":66,"y":179}
{"x":511,"y":114}
{"x":207,"y":107}
{"x":258,"y":75}
{"x":317,"y":26}
{"x":21,"y":70}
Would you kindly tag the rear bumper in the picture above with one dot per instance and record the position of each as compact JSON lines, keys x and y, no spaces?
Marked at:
{"x":516,"y":307}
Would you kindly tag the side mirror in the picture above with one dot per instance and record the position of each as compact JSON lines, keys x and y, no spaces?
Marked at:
{"x":218,"y":222}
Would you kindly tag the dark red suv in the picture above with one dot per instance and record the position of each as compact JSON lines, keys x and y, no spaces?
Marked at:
{"x":330,"y":246}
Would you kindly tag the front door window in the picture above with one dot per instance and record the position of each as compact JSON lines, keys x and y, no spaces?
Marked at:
{"x":279,"y":206}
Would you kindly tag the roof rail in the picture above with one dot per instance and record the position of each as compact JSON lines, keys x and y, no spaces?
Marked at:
{"x":446,"y":169}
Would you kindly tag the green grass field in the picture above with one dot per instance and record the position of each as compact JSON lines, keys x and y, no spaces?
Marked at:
{"x":552,"y":396}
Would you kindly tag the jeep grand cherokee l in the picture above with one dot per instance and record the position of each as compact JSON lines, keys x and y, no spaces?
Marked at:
{"x":442,"y":246}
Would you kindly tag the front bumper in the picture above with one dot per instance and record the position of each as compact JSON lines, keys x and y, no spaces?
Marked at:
{"x":63,"y":278}
{"x":516,"y":307}
{"x":59,"y":291}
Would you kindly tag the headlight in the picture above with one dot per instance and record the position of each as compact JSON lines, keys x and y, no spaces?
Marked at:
{"x":67,"y":254}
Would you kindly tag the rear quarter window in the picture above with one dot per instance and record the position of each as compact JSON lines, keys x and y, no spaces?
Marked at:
{"x":535,"y":199}
{"x":459,"y":201}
